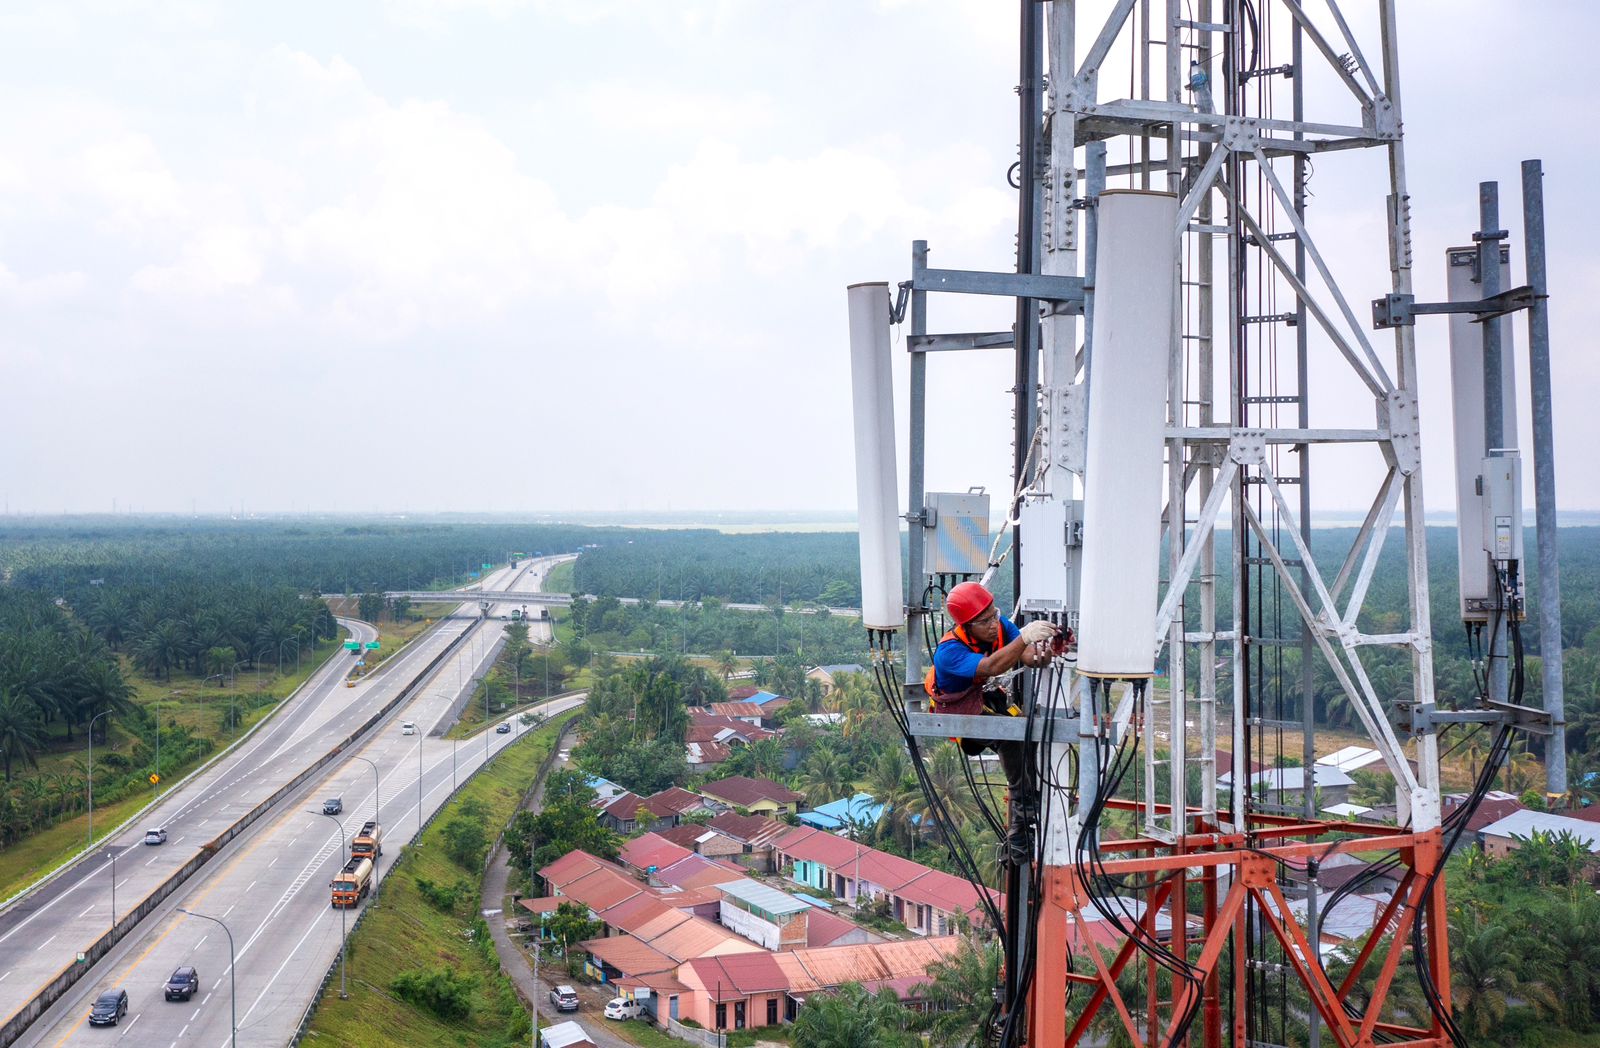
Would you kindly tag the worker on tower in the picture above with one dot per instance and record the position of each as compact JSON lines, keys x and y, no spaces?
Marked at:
{"x":980,"y":646}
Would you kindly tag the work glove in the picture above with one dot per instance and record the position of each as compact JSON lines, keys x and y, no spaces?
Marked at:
{"x":1037,"y":632}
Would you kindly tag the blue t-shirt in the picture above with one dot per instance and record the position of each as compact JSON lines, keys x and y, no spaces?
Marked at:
{"x":955,"y":665}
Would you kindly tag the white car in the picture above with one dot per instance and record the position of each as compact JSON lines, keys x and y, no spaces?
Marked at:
{"x":623,"y":1008}
{"x":408,"y":728}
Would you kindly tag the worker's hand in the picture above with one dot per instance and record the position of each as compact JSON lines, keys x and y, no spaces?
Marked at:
{"x":1037,"y":632}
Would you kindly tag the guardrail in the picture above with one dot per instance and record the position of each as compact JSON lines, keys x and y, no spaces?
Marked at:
{"x":544,"y":767}
{"x":169,"y":791}
{"x":68,"y":976}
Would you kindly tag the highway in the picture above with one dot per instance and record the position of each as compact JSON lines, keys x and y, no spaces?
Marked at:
{"x":271,"y":885}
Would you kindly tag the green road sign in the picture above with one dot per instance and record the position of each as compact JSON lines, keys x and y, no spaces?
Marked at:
{"x":486,"y":567}
{"x":372,"y":645}
{"x":352,"y":645}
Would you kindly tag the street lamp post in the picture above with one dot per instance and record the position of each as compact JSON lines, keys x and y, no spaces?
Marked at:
{"x":538,"y":948}
{"x":342,"y":936}
{"x":233,"y":990}
{"x":113,"y":854}
{"x":157,"y":705}
{"x":96,"y":717}
{"x":486,"y":718}
{"x":376,"y":809}
{"x":289,"y":640}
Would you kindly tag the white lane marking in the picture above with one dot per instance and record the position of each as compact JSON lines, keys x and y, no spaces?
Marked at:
{"x":124,"y":881}
{"x":263,"y":739}
{"x":274,"y":861}
{"x":152,"y":858}
{"x":292,"y":955}
{"x":228,"y":910}
{"x":180,"y":839}
{"x":87,"y":910}
{"x":206,"y":998}
{"x":196,"y":1014}
{"x":85,"y":879}
{"x":252,"y":887}
{"x":6,"y":976}
{"x":130,"y":1024}
{"x":182,"y":1032}
{"x":202,"y":941}
{"x":42,"y":945}
{"x":213,"y":989}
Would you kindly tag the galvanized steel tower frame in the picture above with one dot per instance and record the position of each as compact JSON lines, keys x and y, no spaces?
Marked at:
{"x":1210,"y":851}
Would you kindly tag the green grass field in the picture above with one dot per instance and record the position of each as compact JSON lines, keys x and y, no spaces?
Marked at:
{"x":204,"y":711}
{"x":560,"y":578}
{"x":405,"y":932}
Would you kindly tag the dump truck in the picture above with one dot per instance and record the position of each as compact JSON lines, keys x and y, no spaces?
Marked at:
{"x":368,"y":843}
{"x":352,"y":883}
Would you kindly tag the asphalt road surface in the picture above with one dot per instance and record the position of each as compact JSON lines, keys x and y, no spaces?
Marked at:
{"x":270,"y":886}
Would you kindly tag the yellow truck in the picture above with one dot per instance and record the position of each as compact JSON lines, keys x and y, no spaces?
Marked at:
{"x":352,"y":883}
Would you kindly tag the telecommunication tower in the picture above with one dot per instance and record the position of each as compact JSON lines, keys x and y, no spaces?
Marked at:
{"x":1187,"y":358}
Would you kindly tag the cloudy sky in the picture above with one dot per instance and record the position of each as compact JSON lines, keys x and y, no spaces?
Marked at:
{"x":501,"y":255}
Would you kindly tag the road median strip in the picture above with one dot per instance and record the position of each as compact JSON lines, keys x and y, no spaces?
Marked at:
{"x":64,"y":980}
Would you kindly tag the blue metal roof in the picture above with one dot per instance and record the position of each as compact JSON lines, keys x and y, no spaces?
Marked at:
{"x":862,"y":808}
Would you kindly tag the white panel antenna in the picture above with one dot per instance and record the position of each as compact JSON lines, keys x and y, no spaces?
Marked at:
{"x":872,"y":388}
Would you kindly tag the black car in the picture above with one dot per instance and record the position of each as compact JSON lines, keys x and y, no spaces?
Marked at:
{"x":503,"y":729}
{"x":333,"y":806}
{"x":184,"y":984}
{"x":109,"y":1008}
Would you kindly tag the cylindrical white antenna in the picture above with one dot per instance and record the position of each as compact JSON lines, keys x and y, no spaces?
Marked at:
{"x":1136,"y":258}
{"x":872,"y":388}
{"x":1479,"y":591}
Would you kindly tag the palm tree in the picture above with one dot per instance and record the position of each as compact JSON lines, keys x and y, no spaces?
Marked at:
{"x":726,"y":663}
{"x":825,"y":776}
{"x":850,"y":1017}
{"x":160,"y":648}
{"x":21,"y":730}
{"x":948,"y":778}
{"x":961,"y":992}
{"x":1484,"y":973}
{"x":1566,"y":958}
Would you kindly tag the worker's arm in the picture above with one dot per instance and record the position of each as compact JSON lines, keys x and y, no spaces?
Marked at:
{"x":1016,"y":650}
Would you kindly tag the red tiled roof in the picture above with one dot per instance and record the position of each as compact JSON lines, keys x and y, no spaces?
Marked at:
{"x":625,"y":808}
{"x":890,"y":872}
{"x":602,"y":889}
{"x":660,"y":982}
{"x":1495,"y":806}
{"x":825,"y":929}
{"x":736,"y":709}
{"x":634,"y":911}
{"x":698,"y":937}
{"x":653,"y":850}
{"x":628,"y":955}
{"x":751,"y":829}
{"x":543,"y":904}
{"x":945,"y":891}
{"x":712,"y":723}
{"x":813,"y":845}
{"x":806,"y":970}
{"x":1588,"y":814}
{"x":744,"y":791}
{"x":674,"y":800}
{"x":697,"y":871}
{"x":571,"y":866}
{"x":686,"y":836}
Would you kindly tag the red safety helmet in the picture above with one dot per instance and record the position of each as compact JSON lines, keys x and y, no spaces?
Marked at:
{"x":967,"y":601}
